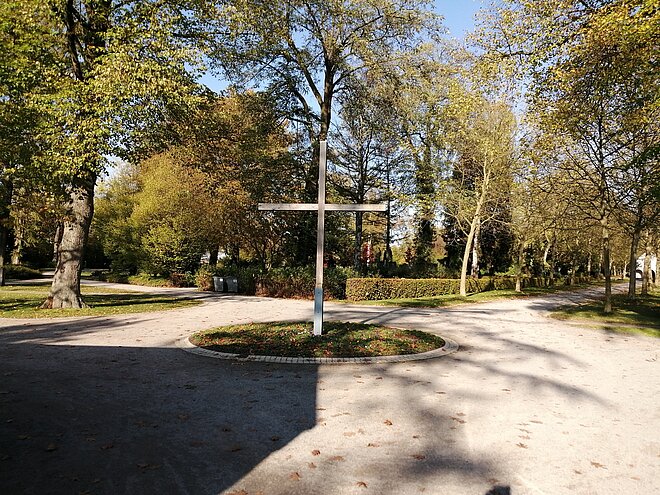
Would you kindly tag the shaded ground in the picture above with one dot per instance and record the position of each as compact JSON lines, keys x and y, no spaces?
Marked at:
{"x":529,"y":405}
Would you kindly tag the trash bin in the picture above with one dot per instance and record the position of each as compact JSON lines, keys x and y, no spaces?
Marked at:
{"x":232,"y":284}
{"x":219,"y":284}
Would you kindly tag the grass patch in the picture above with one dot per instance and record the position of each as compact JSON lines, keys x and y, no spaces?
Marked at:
{"x":23,"y":301}
{"x":456,"y":299}
{"x":296,"y":340}
{"x":641,"y":315}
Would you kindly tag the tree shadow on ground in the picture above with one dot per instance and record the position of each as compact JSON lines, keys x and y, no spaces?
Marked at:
{"x":76,"y":418}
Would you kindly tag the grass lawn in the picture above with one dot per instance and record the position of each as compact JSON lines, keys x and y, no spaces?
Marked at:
{"x":455,"y":299}
{"x":23,"y":301}
{"x":296,"y":340}
{"x":641,"y":315}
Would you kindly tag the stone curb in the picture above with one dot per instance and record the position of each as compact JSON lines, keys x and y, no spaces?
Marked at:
{"x":449,"y":347}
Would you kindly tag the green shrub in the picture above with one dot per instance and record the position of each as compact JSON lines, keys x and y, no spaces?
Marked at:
{"x":373,"y":289}
{"x":300,"y":282}
{"x":148,"y":280}
{"x":20,"y":272}
{"x":114,"y":277}
{"x":204,"y":277}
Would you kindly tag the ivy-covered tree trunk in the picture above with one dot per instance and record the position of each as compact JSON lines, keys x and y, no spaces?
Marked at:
{"x":65,"y":290}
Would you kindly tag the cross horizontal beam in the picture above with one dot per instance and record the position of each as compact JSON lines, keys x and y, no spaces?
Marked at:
{"x":315,"y":207}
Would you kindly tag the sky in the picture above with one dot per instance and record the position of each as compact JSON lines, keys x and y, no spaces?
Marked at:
{"x":458,"y":14}
{"x":458,"y":19}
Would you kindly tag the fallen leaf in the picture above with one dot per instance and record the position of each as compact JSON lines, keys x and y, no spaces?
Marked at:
{"x":316,"y":452}
{"x":311,"y":465}
{"x":598,"y":465}
{"x":419,"y":457}
{"x":238,"y":492}
{"x":183,"y":417}
{"x":388,"y":422}
{"x":51,"y":447}
{"x":274,"y":438}
{"x":107,"y":446}
{"x":521,"y":445}
{"x":235,"y":448}
{"x":361,"y":484}
{"x":373,"y":445}
{"x":458,"y":420}
{"x":337,"y":458}
{"x":295,"y":476}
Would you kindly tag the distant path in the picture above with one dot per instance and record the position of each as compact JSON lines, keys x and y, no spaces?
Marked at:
{"x":529,"y":404}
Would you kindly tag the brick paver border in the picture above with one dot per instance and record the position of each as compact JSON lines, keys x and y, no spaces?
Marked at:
{"x":449,"y":347}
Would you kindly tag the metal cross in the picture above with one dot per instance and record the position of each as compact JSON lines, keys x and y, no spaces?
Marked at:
{"x":321,"y":207}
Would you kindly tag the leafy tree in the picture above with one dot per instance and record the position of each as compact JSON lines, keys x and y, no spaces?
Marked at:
{"x":482,"y":175}
{"x":307,"y":53}
{"x":113,"y":70}
{"x":593,"y":86}
{"x":112,"y":226}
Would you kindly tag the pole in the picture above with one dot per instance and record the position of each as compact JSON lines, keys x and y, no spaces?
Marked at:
{"x":320,"y":229}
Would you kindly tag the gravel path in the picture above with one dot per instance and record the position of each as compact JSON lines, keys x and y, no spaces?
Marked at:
{"x":532,"y":405}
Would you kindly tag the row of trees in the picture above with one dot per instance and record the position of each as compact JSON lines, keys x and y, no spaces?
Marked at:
{"x":510,"y":159}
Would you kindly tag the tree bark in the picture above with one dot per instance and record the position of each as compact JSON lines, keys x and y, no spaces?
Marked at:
{"x":65,"y":289}
{"x":646,"y":271}
{"x":466,"y":255}
{"x":213,"y":256}
{"x":607,"y":308}
{"x":474,"y":273}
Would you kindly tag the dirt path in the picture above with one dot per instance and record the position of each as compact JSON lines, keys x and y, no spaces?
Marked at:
{"x":528,"y":405}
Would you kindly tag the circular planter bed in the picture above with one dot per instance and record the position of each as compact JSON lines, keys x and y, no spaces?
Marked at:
{"x":339,"y":340}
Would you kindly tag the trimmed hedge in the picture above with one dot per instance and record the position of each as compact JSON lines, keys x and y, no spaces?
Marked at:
{"x":20,"y":272}
{"x":299,"y":283}
{"x":374,"y":289}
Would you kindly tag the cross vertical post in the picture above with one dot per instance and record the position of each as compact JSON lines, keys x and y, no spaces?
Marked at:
{"x":320,"y":207}
{"x":320,"y":240}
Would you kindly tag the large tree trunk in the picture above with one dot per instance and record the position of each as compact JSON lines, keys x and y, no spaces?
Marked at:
{"x":213,"y":256}
{"x":19,"y":242}
{"x":607,"y":308}
{"x":65,"y":290}
{"x":646,"y":270}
